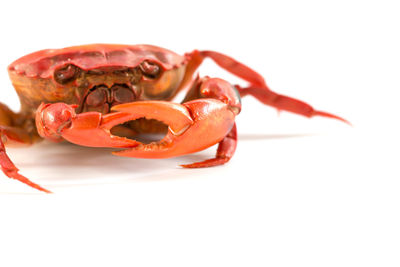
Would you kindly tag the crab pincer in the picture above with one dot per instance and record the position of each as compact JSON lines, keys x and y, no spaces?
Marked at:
{"x":59,"y":121}
{"x":193,"y":126}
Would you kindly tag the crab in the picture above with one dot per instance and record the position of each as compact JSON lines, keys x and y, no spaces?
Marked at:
{"x":104,"y":95}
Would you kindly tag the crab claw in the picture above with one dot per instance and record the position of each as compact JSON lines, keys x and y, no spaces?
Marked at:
{"x":176,"y":116}
{"x":193,"y":126}
{"x":59,"y":120}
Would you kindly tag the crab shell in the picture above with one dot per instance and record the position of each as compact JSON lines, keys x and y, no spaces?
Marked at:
{"x":33,"y":75}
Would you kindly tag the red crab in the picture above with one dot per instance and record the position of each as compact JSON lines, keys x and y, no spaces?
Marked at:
{"x":102,"y":95}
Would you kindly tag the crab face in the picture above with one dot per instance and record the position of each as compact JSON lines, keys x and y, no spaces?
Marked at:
{"x":98,"y":79}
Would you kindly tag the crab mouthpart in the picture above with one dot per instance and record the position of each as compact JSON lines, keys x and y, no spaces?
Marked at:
{"x":101,"y":98}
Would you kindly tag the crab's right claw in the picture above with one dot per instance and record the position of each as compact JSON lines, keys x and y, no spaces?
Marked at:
{"x":59,"y":120}
{"x":175,"y":115}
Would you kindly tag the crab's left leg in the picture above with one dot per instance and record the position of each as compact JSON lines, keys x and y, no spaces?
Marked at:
{"x":257,"y":86}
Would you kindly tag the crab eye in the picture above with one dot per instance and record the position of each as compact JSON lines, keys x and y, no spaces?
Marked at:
{"x":66,"y":74}
{"x":150,"y":69}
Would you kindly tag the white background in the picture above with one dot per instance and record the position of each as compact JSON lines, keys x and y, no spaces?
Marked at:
{"x":298,"y":192}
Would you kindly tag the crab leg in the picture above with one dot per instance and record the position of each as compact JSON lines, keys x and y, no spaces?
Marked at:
{"x":13,"y":135}
{"x":12,"y":171}
{"x":282,"y":102}
{"x":258,"y":88}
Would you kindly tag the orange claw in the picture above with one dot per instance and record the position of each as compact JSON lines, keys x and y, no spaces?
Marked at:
{"x":176,"y":116}
{"x":58,"y":120}
{"x":200,"y":124}
{"x":93,"y":129}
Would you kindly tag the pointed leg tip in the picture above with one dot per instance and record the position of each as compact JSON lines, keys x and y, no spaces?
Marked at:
{"x":45,"y":190}
{"x":35,"y":186}
{"x":23,"y":179}
{"x":197,"y":165}
{"x":332,"y":116}
{"x":187,"y":166}
{"x":38,"y":187}
{"x":206,"y":163}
